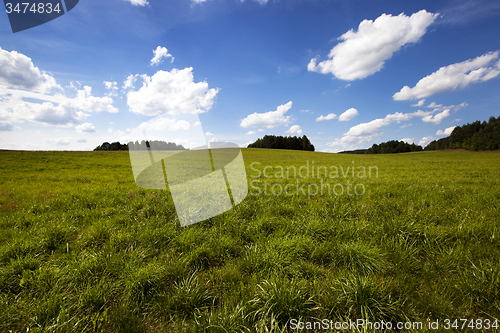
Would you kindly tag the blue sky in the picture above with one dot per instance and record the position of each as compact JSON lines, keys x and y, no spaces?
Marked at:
{"x":346,"y":74}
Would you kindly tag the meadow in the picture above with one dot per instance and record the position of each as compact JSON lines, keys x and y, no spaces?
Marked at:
{"x":84,"y":249}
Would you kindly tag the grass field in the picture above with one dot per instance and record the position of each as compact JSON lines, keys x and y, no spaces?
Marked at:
{"x":83,"y":249}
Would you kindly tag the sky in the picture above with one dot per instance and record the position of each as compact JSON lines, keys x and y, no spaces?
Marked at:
{"x":347,"y":74}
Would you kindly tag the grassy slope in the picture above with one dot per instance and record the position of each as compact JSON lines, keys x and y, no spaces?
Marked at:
{"x":82,"y":248}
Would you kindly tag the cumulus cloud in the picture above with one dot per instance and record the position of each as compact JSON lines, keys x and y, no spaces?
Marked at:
{"x":86,"y":101}
{"x":47,"y":113}
{"x":437,"y":118}
{"x":85,"y":128}
{"x":129,"y":82}
{"x":159,"y":54}
{"x":295,"y":129}
{"x":364,"y":52}
{"x":250,"y":132}
{"x":18,"y":71}
{"x":366,"y":132}
{"x":425,"y":141}
{"x":138,"y":2}
{"x":268,"y":119}
{"x":348,"y":114}
{"x":209,"y":134}
{"x":419,"y":103}
{"x":28,"y":94}
{"x":329,"y":116}
{"x":112,"y":87}
{"x":172,"y":92}
{"x":447,"y":131}
{"x":453,"y":77}
{"x":408,"y":140}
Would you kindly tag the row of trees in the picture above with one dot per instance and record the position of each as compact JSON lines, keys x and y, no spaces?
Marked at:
{"x":476,"y":136}
{"x":392,"y":147}
{"x":155,"y":144}
{"x":106,"y":146}
{"x":280,"y":142}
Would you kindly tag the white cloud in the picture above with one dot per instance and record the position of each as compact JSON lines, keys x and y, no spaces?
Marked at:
{"x":74,"y":85}
{"x":260,"y":130}
{"x":138,"y":2}
{"x":447,"y":131}
{"x":437,"y":118}
{"x":404,"y":126}
{"x":165,"y":124}
{"x":198,"y":1}
{"x":364,"y":52}
{"x":172,"y":92}
{"x":408,"y":140}
{"x":295,"y":129}
{"x":262,"y":2}
{"x":159,"y":54}
{"x":86,"y":128}
{"x":31,"y":95}
{"x":112,"y":87}
{"x":85,"y":101}
{"x":268,"y":119}
{"x":5,"y":126}
{"x":329,"y":116}
{"x":425,"y":141}
{"x":57,"y":141}
{"x":452,"y":77}
{"x":209,"y":134}
{"x":48,"y":113}
{"x":250,"y":132}
{"x":365,"y":132}
{"x":129,"y":82}
{"x":419,"y":103}
{"x":348,"y":115}
{"x":18,"y":71}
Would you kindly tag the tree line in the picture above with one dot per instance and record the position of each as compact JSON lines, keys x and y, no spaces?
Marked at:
{"x":143,"y":145}
{"x":476,"y":136}
{"x":280,"y":142}
{"x":393,"y":147}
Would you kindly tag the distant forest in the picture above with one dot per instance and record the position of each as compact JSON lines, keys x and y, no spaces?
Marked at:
{"x":393,"y":147}
{"x":476,"y":136}
{"x":280,"y":142}
{"x":156,"y":145}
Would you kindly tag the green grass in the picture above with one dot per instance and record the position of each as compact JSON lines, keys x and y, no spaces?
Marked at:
{"x":83,"y":249}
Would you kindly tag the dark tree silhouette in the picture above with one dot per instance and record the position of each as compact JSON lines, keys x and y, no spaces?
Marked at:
{"x":156,"y":145}
{"x":392,"y":147}
{"x":280,"y":142}
{"x":476,"y":136}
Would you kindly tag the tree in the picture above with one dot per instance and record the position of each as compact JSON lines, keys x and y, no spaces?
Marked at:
{"x":393,"y":147}
{"x":280,"y":142}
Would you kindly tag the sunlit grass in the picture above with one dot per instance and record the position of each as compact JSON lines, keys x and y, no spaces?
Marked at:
{"x":84,"y":249}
